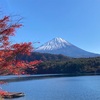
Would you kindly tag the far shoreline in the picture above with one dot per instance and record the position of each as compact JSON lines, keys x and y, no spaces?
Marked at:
{"x":14,"y":78}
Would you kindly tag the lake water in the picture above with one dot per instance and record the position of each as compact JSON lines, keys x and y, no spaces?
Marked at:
{"x":56,"y":88}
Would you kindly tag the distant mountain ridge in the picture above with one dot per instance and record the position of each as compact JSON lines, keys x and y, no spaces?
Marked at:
{"x":61,"y":46}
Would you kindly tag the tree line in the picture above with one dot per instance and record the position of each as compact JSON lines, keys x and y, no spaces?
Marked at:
{"x":53,"y":64}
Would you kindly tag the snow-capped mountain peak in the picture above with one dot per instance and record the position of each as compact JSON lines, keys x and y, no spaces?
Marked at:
{"x":61,"y":46}
{"x":54,"y":44}
{"x":60,"y":40}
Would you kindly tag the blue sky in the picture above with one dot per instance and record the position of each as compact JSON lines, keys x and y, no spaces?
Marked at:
{"x":77,"y":21}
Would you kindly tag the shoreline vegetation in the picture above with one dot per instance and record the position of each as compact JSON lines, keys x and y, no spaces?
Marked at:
{"x":59,"y":64}
{"x":56,"y":64}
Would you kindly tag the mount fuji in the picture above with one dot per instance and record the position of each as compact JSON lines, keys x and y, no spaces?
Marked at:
{"x":61,"y":46}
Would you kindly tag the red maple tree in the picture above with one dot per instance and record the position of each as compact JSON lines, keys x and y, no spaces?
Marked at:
{"x":8,"y":52}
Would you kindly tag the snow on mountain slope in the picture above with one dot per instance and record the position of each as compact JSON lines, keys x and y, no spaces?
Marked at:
{"x":61,"y":46}
{"x":56,"y":43}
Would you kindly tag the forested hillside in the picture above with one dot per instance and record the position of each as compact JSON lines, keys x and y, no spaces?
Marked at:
{"x":42,"y":56}
{"x":61,"y":64}
{"x":79,"y":65}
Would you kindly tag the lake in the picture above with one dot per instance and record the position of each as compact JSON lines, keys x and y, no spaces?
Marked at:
{"x":55,"y":88}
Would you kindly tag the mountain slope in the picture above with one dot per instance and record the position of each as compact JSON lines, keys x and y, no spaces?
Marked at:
{"x":54,"y":44}
{"x":60,"y":46}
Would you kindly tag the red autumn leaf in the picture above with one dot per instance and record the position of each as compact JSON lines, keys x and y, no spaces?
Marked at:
{"x":8,"y":52}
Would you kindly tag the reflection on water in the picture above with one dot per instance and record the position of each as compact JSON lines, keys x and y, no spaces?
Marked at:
{"x":58,"y":88}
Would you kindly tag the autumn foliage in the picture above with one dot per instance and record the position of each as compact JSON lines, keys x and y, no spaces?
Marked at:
{"x":8,"y":52}
{"x":9,"y":64}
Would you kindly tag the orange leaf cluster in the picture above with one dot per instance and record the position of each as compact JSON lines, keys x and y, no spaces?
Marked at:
{"x":9,"y":64}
